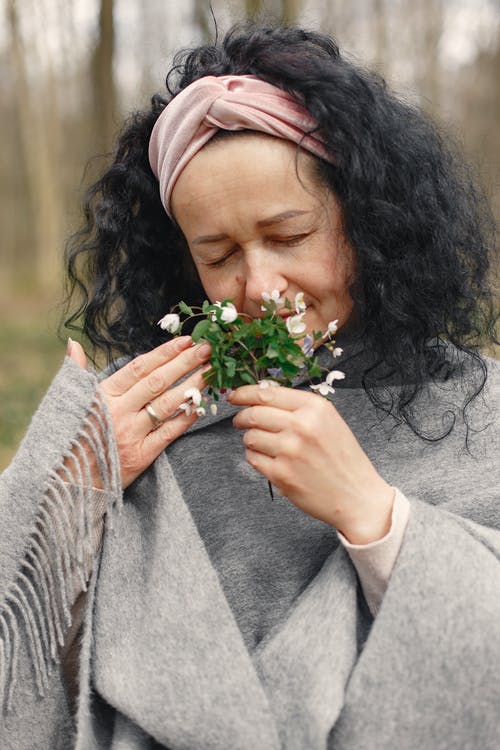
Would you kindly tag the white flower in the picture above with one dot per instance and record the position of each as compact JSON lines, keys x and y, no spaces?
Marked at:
{"x":331,"y":329}
{"x":300,"y":305}
{"x":268,"y":383}
{"x":323,"y":388}
{"x":334,"y":375}
{"x":229,"y":312}
{"x":170,"y":322}
{"x":337,"y":352}
{"x":273,"y":298}
{"x":193,"y":395}
{"x":213,"y":409}
{"x":194,"y":399}
{"x":295,"y":324}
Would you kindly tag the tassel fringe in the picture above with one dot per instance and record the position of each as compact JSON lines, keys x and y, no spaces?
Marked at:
{"x":58,"y":555}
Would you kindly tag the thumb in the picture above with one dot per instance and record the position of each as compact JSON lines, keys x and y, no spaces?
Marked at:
{"x":76,"y":353}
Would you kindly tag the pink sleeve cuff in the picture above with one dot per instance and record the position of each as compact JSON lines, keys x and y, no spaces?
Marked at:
{"x":374,"y":561}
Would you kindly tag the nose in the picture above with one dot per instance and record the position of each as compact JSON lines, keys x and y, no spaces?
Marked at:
{"x":262,"y":274}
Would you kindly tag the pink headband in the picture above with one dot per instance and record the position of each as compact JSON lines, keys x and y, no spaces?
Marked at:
{"x":223,"y":103}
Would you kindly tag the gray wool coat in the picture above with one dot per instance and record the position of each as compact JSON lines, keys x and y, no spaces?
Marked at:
{"x":218,"y":620}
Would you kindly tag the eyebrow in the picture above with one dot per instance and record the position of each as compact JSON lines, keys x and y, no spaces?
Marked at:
{"x":263,"y":223}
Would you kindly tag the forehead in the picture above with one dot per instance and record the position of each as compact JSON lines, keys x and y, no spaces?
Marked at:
{"x":247,"y":169}
{"x":231,"y":143}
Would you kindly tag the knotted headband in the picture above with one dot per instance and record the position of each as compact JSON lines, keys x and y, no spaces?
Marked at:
{"x":213,"y":103}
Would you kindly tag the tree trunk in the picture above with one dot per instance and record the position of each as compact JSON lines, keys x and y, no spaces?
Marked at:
{"x":37,"y":122}
{"x":290,"y":10}
{"x":104,"y":92}
{"x":252,"y":8}
{"x":202,"y":18}
{"x":431,"y":31}
{"x":381,"y":38}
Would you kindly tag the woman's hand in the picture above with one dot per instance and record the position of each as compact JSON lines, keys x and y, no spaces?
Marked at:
{"x":148,"y":379}
{"x":301,"y":444}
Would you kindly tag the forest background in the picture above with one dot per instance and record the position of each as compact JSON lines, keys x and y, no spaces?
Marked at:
{"x":71,"y":69}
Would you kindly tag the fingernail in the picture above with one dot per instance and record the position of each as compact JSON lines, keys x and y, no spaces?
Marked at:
{"x":204,"y":351}
{"x":182,"y":341}
{"x":69,"y":346}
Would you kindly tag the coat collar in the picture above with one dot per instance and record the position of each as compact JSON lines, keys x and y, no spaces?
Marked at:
{"x":169,"y":654}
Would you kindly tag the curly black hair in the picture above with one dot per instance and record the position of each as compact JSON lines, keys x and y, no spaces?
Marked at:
{"x":421,"y":230}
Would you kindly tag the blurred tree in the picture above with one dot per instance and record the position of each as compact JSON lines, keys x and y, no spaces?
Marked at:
{"x":103,"y":81}
{"x":380,"y":36}
{"x":253,"y":8}
{"x":277,"y":11}
{"x":290,"y":10}
{"x":202,"y":16}
{"x":477,"y":118}
{"x":338,"y":19}
{"x":65,"y":79}
{"x":431,"y":29}
{"x":39,"y":125}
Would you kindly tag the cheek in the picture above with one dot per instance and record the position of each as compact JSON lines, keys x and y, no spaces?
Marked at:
{"x":219,"y":285}
{"x":341,"y":267}
{"x":331,"y":276}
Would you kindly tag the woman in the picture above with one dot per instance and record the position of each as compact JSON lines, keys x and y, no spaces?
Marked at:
{"x":360,"y":609}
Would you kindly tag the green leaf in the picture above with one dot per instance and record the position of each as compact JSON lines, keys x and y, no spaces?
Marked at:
{"x":246,"y":377}
{"x":314,"y":369}
{"x":201,"y":329}
{"x":185,"y":308}
{"x":289,"y":369}
{"x":230,"y":366}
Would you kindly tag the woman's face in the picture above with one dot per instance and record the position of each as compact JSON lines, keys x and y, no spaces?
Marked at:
{"x":253,"y":226}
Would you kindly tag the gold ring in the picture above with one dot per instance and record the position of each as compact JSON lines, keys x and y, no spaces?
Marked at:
{"x":157,"y":422}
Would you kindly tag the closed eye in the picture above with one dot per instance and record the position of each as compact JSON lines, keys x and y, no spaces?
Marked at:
{"x":285,"y":241}
{"x":221,"y":261}
{"x":289,"y":241}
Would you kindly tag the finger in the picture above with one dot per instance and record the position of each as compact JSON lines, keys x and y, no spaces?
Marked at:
{"x":140,"y":367}
{"x":279,"y":397}
{"x":264,"y":417}
{"x":76,"y":353}
{"x":260,"y":462}
{"x":161,"y":379}
{"x":157,"y":440}
{"x":260,"y":441}
{"x":167,"y":405}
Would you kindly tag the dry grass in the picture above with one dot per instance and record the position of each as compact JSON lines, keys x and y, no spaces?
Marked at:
{"x":30,"y":354}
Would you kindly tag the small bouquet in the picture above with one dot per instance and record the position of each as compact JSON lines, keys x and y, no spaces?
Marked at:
{"x":249,"y":350}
